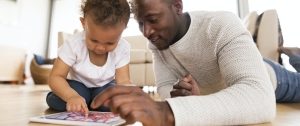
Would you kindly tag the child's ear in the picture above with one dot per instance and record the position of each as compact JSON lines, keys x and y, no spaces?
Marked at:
{"x":82,"y":22}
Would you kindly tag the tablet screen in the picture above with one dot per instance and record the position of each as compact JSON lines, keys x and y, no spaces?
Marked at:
{"x":98,"y":117}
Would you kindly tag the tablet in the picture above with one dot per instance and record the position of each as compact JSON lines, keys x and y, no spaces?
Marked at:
{"x":70,"y":118}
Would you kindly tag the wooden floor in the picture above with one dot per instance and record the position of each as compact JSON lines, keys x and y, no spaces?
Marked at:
{"x":18,"y":103}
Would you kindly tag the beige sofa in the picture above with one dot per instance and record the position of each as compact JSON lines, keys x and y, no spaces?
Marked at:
{"x":12,"y":62}
{"x":267,"y":32}
{"x":141,"y":70}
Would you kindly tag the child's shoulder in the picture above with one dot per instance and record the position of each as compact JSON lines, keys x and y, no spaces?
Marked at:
{"x":123,"y":43}
{"x":77,"y":39}
{"x":122,"y":46}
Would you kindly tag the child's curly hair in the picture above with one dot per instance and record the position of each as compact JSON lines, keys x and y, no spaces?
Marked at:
{"x":106,"y":13}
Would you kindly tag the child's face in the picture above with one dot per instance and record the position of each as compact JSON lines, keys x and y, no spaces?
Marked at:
{"x":101,"y":40}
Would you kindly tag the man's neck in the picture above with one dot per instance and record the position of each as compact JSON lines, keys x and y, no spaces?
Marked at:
{"x":184,"y":26}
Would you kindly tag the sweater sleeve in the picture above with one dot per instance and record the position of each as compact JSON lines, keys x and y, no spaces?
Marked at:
{"x":249,"y":97}
{"x":164,"y":78}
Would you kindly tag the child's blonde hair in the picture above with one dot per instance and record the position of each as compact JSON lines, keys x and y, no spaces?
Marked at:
{"x":106,"y":13}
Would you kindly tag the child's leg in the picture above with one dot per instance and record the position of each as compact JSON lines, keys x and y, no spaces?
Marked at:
{"x":96,"y":91}
{"x":56,"y":103}
{"x":288,"y":83}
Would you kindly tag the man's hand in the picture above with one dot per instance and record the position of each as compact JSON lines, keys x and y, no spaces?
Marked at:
{"x":135,"y":105}
{"x":185,"y":87}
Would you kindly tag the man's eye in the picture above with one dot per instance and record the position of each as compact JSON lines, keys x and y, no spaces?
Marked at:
{"x":153,"y":20}
{"x":141,"y":24}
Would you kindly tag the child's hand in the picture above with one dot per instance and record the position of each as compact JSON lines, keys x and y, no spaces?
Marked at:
{"x":77,"y":104}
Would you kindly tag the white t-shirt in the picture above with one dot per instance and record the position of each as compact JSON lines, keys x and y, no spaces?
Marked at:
{"x":74,"y":53}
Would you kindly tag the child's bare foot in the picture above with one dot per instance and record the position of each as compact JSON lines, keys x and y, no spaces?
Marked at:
{"x":289,"y":50}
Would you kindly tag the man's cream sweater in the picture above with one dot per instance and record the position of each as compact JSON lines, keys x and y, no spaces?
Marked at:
{"x":220,"y":54}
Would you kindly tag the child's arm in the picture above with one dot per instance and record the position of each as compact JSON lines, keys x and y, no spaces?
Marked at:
{"x":60,"y":87}
{"x":122,"y":75}
{"x":57,"y":80}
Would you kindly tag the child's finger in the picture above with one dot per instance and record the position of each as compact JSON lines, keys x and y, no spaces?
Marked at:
{"x":86,"y":110}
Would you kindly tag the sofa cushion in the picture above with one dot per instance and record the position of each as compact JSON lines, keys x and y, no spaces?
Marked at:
{"x":39,"y":59}
{"x":137,"y":42}
{"x":137,"y":56}
{"x":138,"y":74}
{"x":149,"y":56}
{"x":150,"y":79}
{"x":250,"y":21}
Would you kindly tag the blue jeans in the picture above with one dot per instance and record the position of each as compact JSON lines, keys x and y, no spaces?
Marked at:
{"x":56,"y":103}
{"x":288,"y":82}
{"x":295,"y":62}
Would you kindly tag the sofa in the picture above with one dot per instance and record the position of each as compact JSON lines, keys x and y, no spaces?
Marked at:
{"x":12,"y":62}
{"x":266,"y":31}
{"x":141,"y":70}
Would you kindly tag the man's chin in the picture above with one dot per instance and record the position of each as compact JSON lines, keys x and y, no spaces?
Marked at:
{"x":162,"y":47}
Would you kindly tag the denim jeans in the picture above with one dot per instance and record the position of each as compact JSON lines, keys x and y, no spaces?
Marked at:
{"x":295,"y":62}
{"x":288,"y":82}
{"x":56,"y":103}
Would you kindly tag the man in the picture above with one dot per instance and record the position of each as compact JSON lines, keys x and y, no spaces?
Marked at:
{"x":211,"y":55}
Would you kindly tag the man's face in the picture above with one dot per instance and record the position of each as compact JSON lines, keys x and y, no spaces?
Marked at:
{"x":157,"y":22}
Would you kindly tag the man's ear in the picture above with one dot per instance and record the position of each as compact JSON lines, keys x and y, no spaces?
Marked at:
{"x":82,"y":22}
{"x":178,"y":6}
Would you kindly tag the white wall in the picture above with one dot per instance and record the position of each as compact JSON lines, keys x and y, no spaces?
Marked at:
{"x":9,"y":31}
{"x":28,"y":25}
{"x":24,"y":23}
{"x":34,"y":21}
{"x":210,"y":5}
{"x":65,"y":17}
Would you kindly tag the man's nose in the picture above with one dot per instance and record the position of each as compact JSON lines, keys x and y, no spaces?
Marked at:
{"x":147,"y":31}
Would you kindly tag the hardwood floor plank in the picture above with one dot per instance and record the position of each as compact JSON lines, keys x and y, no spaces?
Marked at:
{"x":19,"y":102}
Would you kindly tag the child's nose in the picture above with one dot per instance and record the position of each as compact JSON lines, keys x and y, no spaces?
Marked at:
{"x":99,"y":47}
